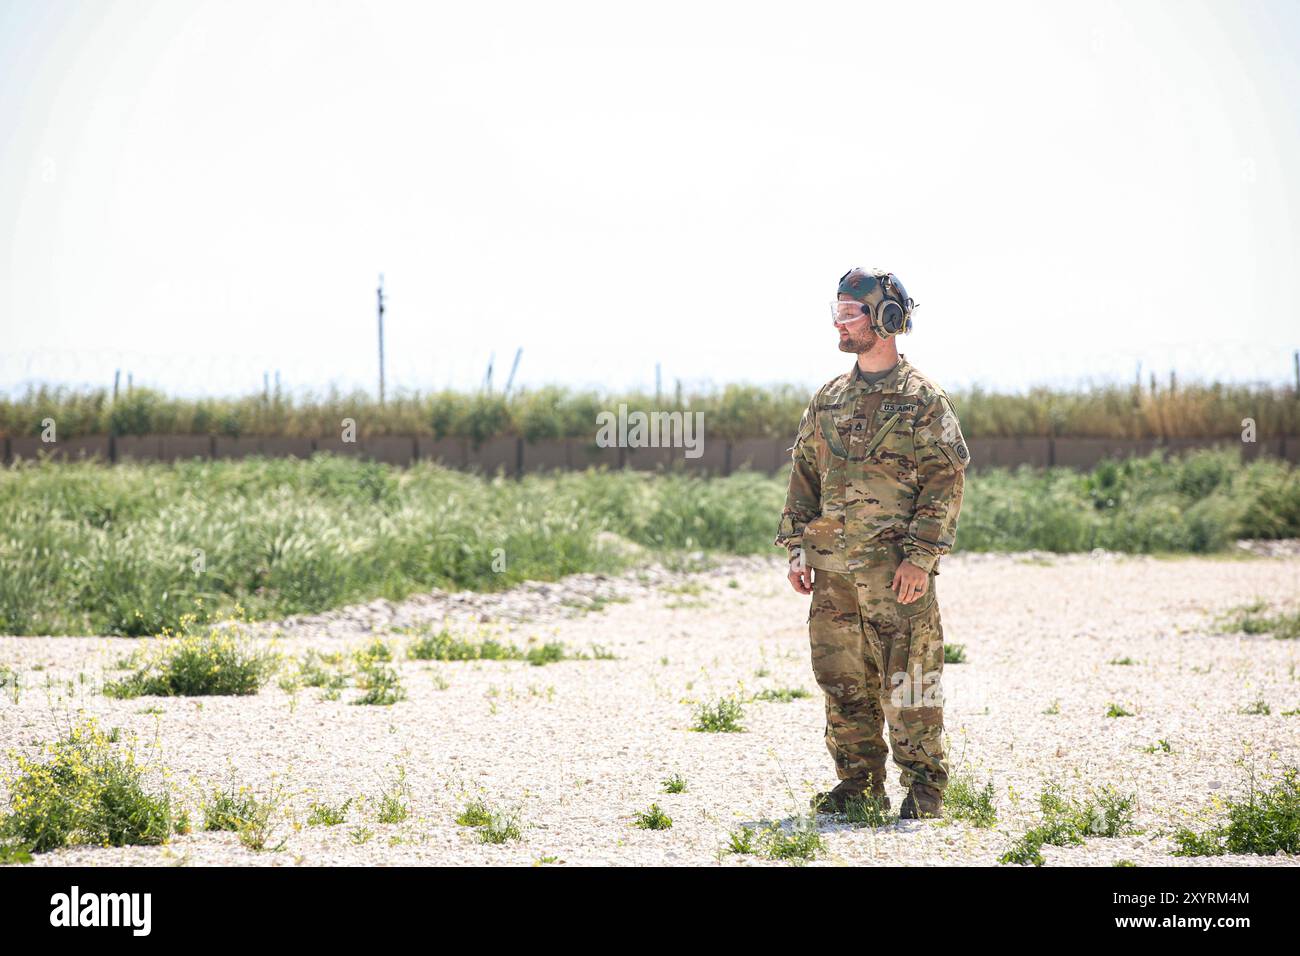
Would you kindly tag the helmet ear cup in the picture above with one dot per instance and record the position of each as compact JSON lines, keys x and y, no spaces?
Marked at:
{"x":891,"y":317}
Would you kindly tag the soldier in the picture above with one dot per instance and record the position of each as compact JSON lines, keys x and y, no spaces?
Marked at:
{"x":876,"y":478}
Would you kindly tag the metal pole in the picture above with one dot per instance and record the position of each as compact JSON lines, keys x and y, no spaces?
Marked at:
{"x":380,"y":294}
{"x":513,"y":368}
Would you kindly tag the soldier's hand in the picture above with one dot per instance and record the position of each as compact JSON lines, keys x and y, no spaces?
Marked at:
{"x":909,"y":582}
{"x":800,"y":576}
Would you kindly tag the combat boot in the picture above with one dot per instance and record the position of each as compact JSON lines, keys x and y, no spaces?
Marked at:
{"x":922,"y":802}
{"x":837,"y":800}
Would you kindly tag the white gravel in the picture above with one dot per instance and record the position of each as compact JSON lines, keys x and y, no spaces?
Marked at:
{"x":578,"y":747}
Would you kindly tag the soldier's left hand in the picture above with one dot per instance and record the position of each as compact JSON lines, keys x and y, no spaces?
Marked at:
{"x":909,"y":582}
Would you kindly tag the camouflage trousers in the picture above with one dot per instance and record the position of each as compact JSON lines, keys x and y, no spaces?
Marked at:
{"x":877,"y":662}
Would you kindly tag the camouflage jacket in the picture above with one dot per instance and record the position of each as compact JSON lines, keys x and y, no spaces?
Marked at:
{"x":873,"y":463}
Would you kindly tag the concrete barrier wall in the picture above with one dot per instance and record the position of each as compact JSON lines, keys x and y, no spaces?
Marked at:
{"x":69,"y":449}
{"x":450,"y":452}
{"x":760,"y":454}
{"x":267,"y":446}
{"x":162,"y":447}
{"x":587,"y":454}
{"x":513,"y":456}
{"x":1086,"y":453}
{"x":389,"y":449}
{"x":1009,"y":452}
{"x":495,"y":455}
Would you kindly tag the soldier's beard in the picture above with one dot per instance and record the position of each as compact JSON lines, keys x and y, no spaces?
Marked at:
{"x":860,"y":344}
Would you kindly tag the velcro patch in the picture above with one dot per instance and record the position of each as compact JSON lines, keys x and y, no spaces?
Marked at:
{"x":891,"y":407}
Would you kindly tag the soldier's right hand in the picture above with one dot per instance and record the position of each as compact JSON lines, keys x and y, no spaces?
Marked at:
{"x":800,"y":575}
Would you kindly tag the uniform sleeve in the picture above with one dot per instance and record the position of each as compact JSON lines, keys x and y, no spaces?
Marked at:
{"x":804,"y":498}
{"x":941,"y":460}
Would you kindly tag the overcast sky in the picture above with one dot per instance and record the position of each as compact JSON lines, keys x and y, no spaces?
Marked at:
{"x":199,"y":192}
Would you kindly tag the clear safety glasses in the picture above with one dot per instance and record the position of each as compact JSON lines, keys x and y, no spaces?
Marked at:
{"x":842,"y":313}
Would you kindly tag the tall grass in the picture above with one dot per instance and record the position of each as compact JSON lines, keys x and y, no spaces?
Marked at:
{"x":1196,"y":503}
{"x":130,"y":549}
{"x":1196,"y":410}
{"x":85,"y":791}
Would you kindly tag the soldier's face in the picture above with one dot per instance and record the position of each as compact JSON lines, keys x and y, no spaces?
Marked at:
{"x":856,"y":336}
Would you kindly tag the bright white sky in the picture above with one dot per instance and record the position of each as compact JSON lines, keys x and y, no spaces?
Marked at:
{"x":203,"y":191}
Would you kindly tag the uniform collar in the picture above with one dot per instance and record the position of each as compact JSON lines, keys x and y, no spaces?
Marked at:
{"x":893,"y":382}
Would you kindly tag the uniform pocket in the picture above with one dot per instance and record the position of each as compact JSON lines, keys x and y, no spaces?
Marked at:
{"x":896,"y":655}
{"x":925,"y":657}
{"x":879,"y":436}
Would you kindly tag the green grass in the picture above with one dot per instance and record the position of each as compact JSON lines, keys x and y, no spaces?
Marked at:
{"x":444,"y":645}
{"x":548,"y":653}
{"x":797,"y":843}
{"x":1117,"y":710}
{"x":380,"y":685}
{"x":393,"y":806}
{"x":1067,"y":821}
{"x":476,"y":814}
{"x":675,"y":784}
{"x":86,"y":791}
{"x":86,"y":549}
{"x":229,"y":809}
{"x":964,"y":799}
{"x":376,"y":650}
{"x":597,"y":603}
{"x":1253,"y":619}
{"x":721,"y":717}
{"x":216,"y":663}
{"x":315,"y":669}
{"x":954,"y":653}
{"x":501,"y":828}
{"x":492,"y":825}
{"x":782,"y":695}
{"x":326,"y":815}
{"x":653,"y":819}
{"x":1198,"y":503}
{"x":868,"y":811}
{"x":239,"y":810}
{"x":742,"y":841}
{"x":1264,"y":822}
{"x":690,"y":588}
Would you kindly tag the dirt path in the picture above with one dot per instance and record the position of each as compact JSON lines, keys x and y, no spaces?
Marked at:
{"x":578,"y":747}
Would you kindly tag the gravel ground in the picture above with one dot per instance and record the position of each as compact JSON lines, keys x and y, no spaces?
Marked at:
{"x":577,"y":748}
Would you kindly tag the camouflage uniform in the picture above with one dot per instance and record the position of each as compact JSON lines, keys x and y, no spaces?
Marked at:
{"x":877,"y":472}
